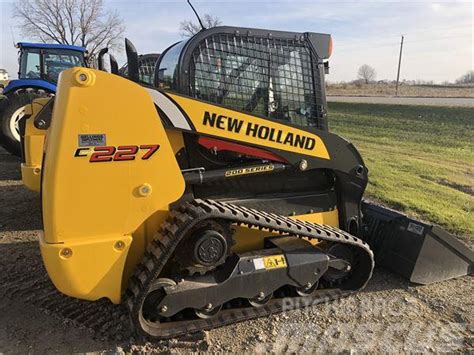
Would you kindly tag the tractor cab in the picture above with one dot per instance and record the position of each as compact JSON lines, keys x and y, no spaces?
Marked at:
{"x":39,"y":68}
{"x":46,"y":61}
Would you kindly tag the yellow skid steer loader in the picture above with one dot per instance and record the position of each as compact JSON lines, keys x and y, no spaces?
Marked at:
{"x":217,"y":194}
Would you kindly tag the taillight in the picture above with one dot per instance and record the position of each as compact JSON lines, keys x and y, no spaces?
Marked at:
{"x":330,"y":46}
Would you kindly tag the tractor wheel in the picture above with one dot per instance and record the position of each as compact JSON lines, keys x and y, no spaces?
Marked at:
{"x":11,"y":112}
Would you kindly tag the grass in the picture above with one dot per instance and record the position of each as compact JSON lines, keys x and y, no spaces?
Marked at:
{"x":420,"y":159}
{"x":382,"y":89}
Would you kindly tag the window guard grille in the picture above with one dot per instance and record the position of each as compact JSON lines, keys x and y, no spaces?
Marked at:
{"x":271,"y":77}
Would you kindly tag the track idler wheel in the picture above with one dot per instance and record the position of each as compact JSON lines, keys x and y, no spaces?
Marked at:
{"x":149,"y":308}
{"x":343,"y":252}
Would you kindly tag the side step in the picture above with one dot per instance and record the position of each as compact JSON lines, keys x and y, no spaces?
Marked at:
{"x":422,"y":253}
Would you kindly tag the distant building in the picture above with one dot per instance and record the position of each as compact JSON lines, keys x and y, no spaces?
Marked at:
{"x":3,"y":75}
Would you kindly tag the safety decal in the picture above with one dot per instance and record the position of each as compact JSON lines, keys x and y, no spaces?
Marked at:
{"x":274,"y":261}
{"x":415,"y":228}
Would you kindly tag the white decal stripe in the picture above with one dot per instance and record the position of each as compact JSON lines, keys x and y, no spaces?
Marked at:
{"x":169,"y":108}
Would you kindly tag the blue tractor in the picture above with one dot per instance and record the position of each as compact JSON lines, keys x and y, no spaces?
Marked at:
{"x":40,"y":65}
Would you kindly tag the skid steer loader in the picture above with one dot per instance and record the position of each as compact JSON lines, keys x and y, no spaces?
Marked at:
{"x":218,"y":194}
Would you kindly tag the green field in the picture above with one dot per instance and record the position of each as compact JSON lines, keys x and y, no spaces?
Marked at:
{"x":420,"y":159}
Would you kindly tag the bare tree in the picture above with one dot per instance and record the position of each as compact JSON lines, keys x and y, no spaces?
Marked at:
{"x":467,"y":78}
{"x":189,"y":28}
{"x":84,"y":23}
{"x":366,"y":73}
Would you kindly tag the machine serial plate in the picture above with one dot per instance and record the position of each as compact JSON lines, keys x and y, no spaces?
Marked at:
{"x":91,"y":140}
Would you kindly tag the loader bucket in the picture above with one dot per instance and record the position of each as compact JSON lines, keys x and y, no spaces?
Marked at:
{"x":420,"y":252}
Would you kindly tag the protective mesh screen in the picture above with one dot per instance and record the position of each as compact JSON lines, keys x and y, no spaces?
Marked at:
{"x":269,"y":77}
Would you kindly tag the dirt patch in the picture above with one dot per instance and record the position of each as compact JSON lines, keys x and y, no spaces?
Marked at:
{"x":467,"y":189}
{"x":389,"y":315}
{"x":463,"y":188}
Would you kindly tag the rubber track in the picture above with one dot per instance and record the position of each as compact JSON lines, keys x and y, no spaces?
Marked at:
{"x":188,"y":215}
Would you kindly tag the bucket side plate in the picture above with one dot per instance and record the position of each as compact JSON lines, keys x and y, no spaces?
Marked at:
{"x":422,"y":253}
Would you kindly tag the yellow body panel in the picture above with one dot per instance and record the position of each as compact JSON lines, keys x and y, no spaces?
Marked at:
{"x":144,"y":234}
{"x":103,"y":202}
{"x":89,"y":269}
{"x":33,"y":145}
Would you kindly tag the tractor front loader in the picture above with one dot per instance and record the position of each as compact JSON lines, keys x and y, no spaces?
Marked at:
{"x":218,"y":194}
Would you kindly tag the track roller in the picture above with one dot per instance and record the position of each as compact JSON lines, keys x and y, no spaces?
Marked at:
{"x":307,"y":290}
{"x":207,"y":312}
{"x":260,"y":300}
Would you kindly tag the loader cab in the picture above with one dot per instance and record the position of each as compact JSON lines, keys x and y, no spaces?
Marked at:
{"x":273,"y":74}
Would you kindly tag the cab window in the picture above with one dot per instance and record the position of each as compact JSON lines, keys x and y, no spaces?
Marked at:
{"x":55,"y":61}
{"x":30,"y":64}
{"x":168,"y":67}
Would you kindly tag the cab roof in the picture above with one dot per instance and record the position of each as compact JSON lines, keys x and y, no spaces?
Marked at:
{"x":50,"y":46}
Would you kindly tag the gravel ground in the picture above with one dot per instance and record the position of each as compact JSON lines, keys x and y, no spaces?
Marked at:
{"x":429,"y":101}
{"x":389,"y":315}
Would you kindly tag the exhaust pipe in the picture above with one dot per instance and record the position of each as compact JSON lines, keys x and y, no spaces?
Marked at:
{"x":114,"y":69}
{"x":420,"y":252}
{"x":100,"y":58}
{"x":132,"y":61}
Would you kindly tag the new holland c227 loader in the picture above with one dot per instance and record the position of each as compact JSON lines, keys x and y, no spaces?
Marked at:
{"x":217,"y":194}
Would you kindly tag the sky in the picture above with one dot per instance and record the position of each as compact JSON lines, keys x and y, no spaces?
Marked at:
{"x":439,"y":43}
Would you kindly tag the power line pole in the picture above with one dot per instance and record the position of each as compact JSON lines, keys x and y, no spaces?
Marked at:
{"x":399,"y":65}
